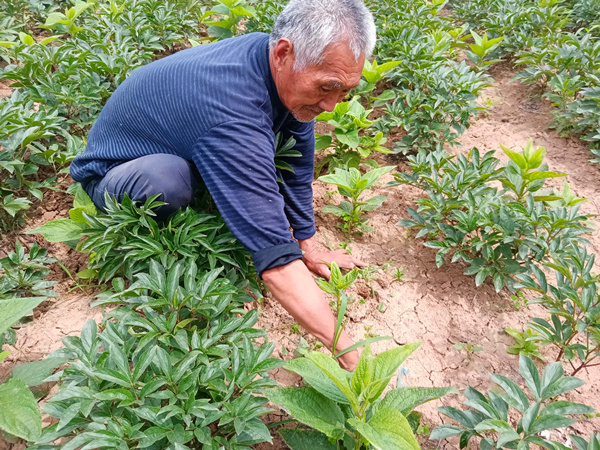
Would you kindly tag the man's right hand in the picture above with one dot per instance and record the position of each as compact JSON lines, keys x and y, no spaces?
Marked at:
{"x":295,"y":289}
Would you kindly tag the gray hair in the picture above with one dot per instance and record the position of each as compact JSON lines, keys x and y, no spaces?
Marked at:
{"x":312,"y":25}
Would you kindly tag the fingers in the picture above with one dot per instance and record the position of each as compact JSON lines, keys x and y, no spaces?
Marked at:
{"x":346,"y":261}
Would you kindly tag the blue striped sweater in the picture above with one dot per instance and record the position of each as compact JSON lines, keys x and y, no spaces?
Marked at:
{"x":216,"y":105}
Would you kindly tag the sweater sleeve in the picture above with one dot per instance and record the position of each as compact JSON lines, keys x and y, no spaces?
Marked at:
{"x":296,"y":187}
{"x":236,"y":162}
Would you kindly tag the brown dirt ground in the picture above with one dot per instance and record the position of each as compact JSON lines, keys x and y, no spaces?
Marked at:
{"x":439,"y":307}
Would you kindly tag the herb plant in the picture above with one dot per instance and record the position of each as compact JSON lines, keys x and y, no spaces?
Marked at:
{"x":499,"y":232}
{"x":350,"y":144}
{"x":175,"y":366}
{"x":348,"y":408}
{"x":353,"y":185}
{"x":489,"y":417}
{"x":573,"y":303}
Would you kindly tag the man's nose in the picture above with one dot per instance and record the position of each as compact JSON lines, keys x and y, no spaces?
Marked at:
{"x":328,"y":103}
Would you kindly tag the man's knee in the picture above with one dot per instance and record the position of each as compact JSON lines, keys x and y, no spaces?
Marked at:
{"x":172,"y":178}
{"x":168,"y":175}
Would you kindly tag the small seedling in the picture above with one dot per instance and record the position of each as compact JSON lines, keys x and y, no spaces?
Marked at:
{"x":526,"y":343}
{"x":381,"y":307}
{"x":399,"y":274}
{"x":518,"y":300}
{"x":352,"y":184}
{"x":344,"y":245}
{"x":296,"y":328}
{"x":469,"y":348}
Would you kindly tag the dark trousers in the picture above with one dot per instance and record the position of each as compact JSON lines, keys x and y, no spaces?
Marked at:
{"x":174,"y":178}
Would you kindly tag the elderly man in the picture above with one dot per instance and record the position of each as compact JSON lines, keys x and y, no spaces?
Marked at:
{"x":212,"y":112}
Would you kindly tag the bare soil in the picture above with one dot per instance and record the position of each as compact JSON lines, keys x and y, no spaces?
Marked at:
{"x":438,"y":307}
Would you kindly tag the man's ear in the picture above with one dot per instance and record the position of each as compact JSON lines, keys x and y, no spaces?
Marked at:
{"x":283,"y":54}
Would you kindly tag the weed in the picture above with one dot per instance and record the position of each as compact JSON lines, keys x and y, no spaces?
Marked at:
{"x":469,"y":348}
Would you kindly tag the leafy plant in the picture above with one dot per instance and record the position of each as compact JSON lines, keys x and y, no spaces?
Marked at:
{"x":23,"y":274}
{"x":526,"y":343}
{"x":335,"y":286}
{"x":573,"y":305}
{"x":469,"y":348}
{"x":284,"y":150}
{"x":481,"y":49}
{"x":353,"y":185}
{"x":65,"y":23}
{"x":489,"y":417}
{"x":177,"y":367}
{"x":349,"y":147}
{"x":372,"y":74}
{"x":498,"y":232}
{"x":349,"y":407}
{"x":231,"y":13}
{"x":127,"y":238}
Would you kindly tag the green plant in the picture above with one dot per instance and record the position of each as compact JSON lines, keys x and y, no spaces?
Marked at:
{"x":526,"y":343}
{"x":372,"y":74}
{"x":23,"y":274}
{"x":65,"y":23}
{"x":489,"y":418}
{"x":284,"y":150}
{"x":469,"y":348}
{"x":498,"y":232}
{"x":350,"y":145}
{"x":335,"y":286}
{"x":127,"y":238}
{"x":399,"y":274}
{"x":349,"y":407}
{"x":176,"y":365}
{"x":352,"y":184}
{"x":518,"y":300}
{"x":481,"y":49}
{"x":581,"y":444}
{"x":573,"y":305}
{"x":231,"y":13}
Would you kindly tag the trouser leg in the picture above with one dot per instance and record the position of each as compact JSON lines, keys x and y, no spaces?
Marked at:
{"x":172,"y":177}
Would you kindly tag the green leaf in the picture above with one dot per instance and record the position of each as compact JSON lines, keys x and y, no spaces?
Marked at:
{"x":349,"y":138}
{"x":363,"y":343}
{"x":542,"y":175}
{"x":532,"y":377}
{"x":219,"y":32}
{"x":385,"y":366}
{"x":518,"y":159}
{"x":322,"y":142}
{"x":405,"y":399}
{"x":19,"y":414}
{"x":388,"y":429}
{"x":34,"y":373}
{"x":15,"y":308}
{"x":60,"y":230}
{"x":309,"y":407}
{"x":445,"y":431}
{"x":338,"y":375}
{"x":550,"y":422}
{"x":563,"y":407}
{"x":363,"y":371}
{"x":298,"y":439}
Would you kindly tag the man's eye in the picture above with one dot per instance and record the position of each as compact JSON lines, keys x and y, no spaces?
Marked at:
{"x":325,"y":89}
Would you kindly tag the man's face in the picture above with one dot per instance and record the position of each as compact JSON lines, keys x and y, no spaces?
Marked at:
{"x":314,"y":89}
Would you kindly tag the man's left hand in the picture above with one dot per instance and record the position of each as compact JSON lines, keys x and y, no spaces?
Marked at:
{"x":315,"y":258}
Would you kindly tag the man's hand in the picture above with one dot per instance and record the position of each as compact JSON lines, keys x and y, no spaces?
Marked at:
{"x":295,"y":289}
{"x":316,"y":259}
